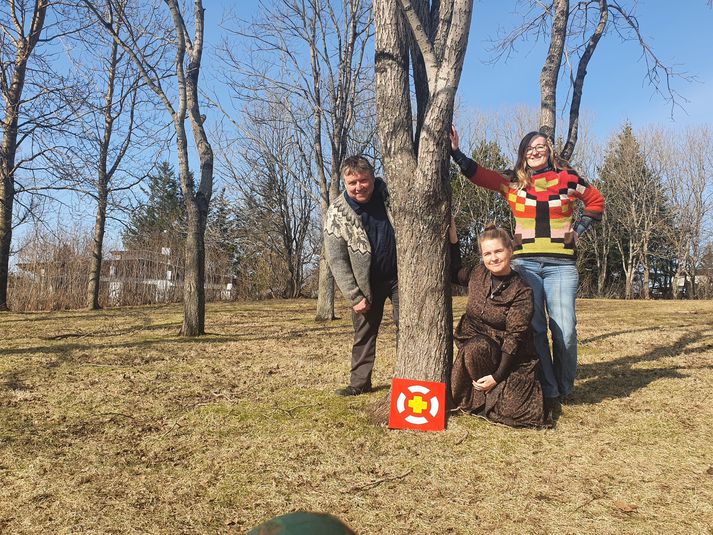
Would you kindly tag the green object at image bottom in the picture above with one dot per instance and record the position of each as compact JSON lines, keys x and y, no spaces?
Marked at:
{"x":302,"y":523}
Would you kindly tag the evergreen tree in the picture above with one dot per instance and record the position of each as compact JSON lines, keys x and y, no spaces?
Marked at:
{"x":222,"y":235}
{"x":156,"y":223}
{"x":636,"y":211}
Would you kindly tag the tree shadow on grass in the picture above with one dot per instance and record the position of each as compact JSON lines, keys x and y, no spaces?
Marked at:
{"x":612,"y":334}
{"x":65,"y":349}
{"x":619,"y":378}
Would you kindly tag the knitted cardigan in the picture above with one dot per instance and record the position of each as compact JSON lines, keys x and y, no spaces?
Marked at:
{"x":347,"y":246}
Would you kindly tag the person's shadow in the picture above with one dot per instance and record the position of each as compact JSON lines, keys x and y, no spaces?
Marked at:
{"x":621,"y":377}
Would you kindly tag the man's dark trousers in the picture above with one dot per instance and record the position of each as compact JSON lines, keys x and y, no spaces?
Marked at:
{"x":366,"y":329}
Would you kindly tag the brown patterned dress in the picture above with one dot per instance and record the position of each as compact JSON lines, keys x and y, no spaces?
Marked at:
{"x":497,"y":321}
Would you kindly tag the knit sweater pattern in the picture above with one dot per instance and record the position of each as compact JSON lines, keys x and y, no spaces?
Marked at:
{"x":348,"y":248}
{"x":544,"y":211}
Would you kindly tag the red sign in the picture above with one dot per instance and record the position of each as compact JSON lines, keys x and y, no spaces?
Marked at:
{"x":417,"y":405}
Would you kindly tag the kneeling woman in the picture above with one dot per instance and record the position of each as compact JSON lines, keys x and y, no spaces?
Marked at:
{"x":495,"y":373}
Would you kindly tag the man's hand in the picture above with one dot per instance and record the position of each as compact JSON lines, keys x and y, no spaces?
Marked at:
{"x":362,"y":307}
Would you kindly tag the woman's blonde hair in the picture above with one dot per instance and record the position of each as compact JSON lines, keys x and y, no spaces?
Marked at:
{"x":523,"y":173}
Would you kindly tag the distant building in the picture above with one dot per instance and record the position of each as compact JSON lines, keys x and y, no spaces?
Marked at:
{"x":127,"y":277}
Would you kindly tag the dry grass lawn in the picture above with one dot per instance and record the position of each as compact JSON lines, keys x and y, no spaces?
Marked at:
{"x":110,"y":423}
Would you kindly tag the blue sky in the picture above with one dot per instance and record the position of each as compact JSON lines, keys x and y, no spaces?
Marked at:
{"x":615,"y":90}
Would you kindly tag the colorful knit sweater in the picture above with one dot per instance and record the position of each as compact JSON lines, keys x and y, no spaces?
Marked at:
{"x":543,"y":211}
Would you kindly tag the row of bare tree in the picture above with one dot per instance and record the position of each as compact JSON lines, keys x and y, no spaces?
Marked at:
{"x":653,"y":242}
{"x":295,"y":97}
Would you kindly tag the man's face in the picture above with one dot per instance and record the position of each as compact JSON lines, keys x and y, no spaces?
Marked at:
{"x":360,"y":186}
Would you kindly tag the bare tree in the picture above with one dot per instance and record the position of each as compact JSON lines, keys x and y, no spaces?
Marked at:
{"x":685,"y":161}
{"x":416,"y":162}
{"x":109,"y":134}
{"x":574,"y":33}
{"x":268,"y":169}
{"x":144,"y":45}
{"x":310,"y":54}
{"x":697,"y":170}
{"x":20,"y":30}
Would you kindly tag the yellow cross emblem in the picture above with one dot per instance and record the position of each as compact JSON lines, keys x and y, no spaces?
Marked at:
{"x":417,"y":404}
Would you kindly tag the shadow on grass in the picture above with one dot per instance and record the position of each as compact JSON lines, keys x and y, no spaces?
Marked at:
{"x":64,"y":349}
{"x":612,"y":334}
{"x":619,"y":378}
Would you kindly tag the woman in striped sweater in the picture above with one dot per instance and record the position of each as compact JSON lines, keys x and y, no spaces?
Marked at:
{"x":541,"y":192}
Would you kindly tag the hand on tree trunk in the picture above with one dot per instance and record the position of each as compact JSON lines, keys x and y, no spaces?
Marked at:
{"x":454,"y":139}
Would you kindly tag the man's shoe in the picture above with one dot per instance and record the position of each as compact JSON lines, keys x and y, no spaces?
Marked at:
{"x":353,"y":391}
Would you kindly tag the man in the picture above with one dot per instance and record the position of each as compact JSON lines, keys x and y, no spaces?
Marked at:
{"x":361,"y":251}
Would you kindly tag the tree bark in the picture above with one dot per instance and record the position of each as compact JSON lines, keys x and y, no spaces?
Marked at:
{"x":194,"y":282}
{"x":551,"y":68}
{"x":419,"y":182}
{"x":325,"y":290}
{"x":13,"y":99}
{"x":97,"y":246}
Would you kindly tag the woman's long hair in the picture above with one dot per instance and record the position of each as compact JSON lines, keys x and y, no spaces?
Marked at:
{"x":523,"y":173}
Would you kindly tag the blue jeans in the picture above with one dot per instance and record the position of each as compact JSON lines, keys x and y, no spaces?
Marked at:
{"x":554,"y":286}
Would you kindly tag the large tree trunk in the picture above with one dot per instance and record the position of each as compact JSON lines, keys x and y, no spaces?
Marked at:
{"x":194,"y":282}
{"x":419,"y":178}
{"x":425,"y":346}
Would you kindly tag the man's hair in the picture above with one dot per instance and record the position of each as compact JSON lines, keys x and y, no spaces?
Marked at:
{"x":356,"y":165}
